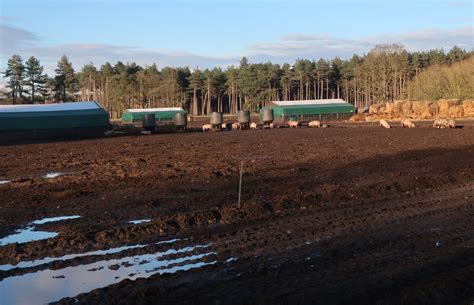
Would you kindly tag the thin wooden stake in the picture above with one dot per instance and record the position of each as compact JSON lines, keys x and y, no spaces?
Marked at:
{"x":240,"y":181}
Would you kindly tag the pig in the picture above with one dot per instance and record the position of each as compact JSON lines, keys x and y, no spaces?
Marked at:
{"x":314,"y":124}
{"x":236,"y":126}
{"x":407,"y":124}
{"x":384,"y":124}
{"x":451,"y":123}
{"x":206,"y":127}
{"x":253,"y":125}
{"x":293,"y":124}
{"x":441,"y":123}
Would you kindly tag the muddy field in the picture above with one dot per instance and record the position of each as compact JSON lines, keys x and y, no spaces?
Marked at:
{"x":350,"y":214}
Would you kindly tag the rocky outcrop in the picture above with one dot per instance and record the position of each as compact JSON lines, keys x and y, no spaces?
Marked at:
{"x":468,"y":107}
{"x":452,"y":108}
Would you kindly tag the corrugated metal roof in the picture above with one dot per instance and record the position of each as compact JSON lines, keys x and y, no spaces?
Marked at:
{"x":53,"y":116}
{"x":309,"y":102}
{"x":160,"y":113}
{"x":49,"y":107}
{"x":143,"y":110}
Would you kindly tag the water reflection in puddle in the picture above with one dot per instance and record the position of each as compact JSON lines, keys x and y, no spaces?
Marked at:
{"x":38,"y":262}
{"x":52,"y":175}
{"x":28,"y":233}
{"x":28,"y":264}
{"x":139,"y":221}
{"x":53,"y":219}
{"x":49,"y":175}
{"x":232,"y":259}
{"x":52,"y":285}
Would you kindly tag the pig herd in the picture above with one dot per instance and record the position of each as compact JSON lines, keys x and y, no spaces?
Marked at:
{"x":405,"y":123}
{"x":438,"y":123}
{"x":254,"y":126}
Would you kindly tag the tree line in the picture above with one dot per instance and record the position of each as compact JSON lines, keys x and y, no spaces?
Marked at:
{"x":380,"y":75}
{"x":444,"y":82}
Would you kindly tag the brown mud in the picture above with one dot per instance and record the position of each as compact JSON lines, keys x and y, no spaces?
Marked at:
{"x":343,"y":215}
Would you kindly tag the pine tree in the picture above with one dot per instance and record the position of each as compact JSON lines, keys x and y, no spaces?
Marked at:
{"x":65,"y":80}
{"x":88,"y":80}
{"x":231,"y":85}
{"x":456,"y":54}
{"x":35,"y":78}
{"x":244,"y":62}
{"x":106,"y":73}
{"x":16,"y":73}
{"x":47,"y":90}
{"x":196,"y":83}
{"x":286,"y":81}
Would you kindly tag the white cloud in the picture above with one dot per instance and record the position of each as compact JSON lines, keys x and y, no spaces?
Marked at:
{"x":25,"y":43}
{"x":14,"y":40}
{"x":433,"y":38}
{"x":100,"y":53}
{"x":313,"y":46}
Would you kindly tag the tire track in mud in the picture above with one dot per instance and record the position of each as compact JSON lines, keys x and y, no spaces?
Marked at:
{"x":270,"y":239}
{"x":365,"y":209}
{"x":401,"y":244}
{"x":371,"y":216}
{"x":386,"y":246}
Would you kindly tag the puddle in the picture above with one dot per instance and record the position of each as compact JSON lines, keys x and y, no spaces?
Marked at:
{"x":52,"y":285}
{"x":52,"y":175}
{"x":232,"y":259}
{"x":28,"y":233}
{"x":47,"y":260}
{"x":139,"y":221}
{"x":53,"y":219}
{"x":168,"y":241}
{"x":49,"y":175}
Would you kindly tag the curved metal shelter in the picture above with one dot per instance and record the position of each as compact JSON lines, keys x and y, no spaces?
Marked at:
{"x":328,"y":109}
{"x":50,"y":120}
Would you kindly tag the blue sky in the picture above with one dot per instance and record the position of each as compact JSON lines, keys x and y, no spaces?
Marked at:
{"x":209,"y":33}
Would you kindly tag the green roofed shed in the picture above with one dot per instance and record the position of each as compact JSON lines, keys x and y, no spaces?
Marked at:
{"x":328,"y":109}
{"x":161,"y":114}
{"x":45,"y":120}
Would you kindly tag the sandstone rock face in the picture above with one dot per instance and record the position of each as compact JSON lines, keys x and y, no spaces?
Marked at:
{"x":434,"y":109}
{"x":444,"y":106}
{"x":373,"y":109}
{"x":406,"y":107}
{"x":359,"y":117}
{"x":398,"y":108}
{"x":456,"y":111}
{"x":468,"y":107}
{"x":372,"y":118}
{"x":421,"y":110}
{"x":388,"y":108}
{"x":452,"y":108}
